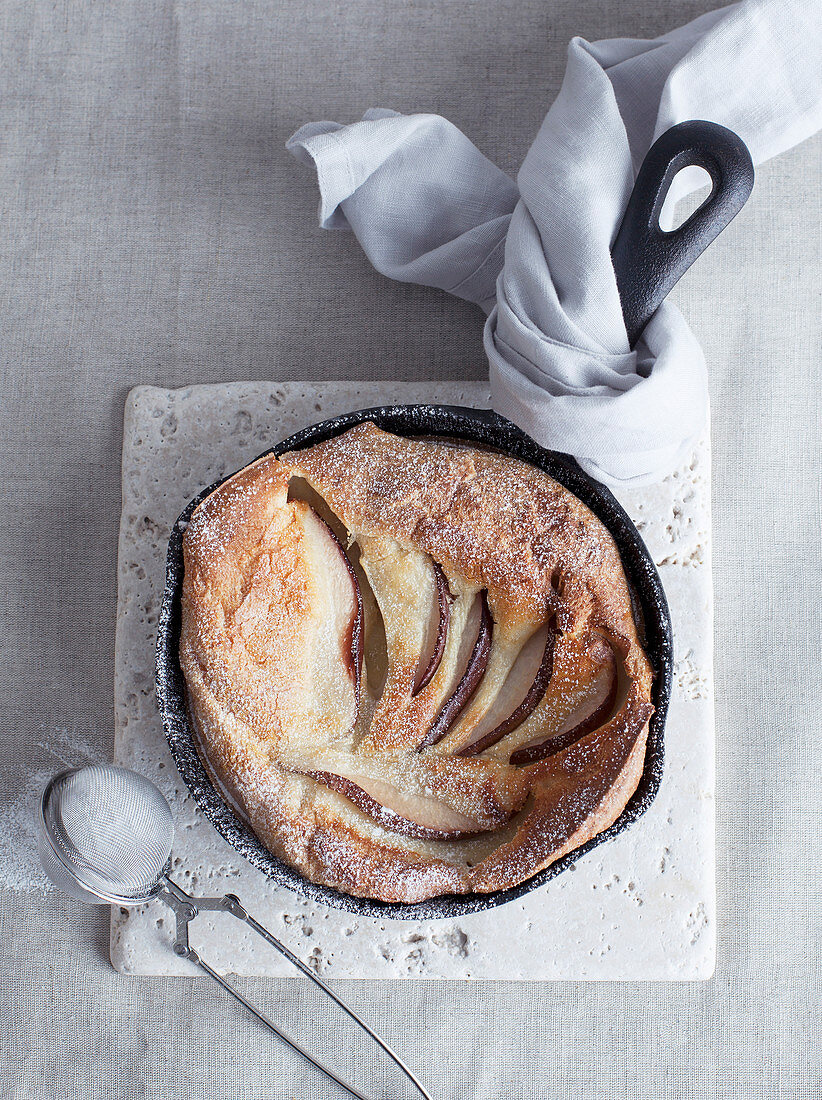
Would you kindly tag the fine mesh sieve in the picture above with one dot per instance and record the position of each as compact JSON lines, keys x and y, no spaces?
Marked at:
{"x":105,"y":834}
{"x":107,"y":831}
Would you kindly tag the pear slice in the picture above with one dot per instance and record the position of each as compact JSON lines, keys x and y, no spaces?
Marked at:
{"x":520,"y":694}
{"x":591,"y":712}
{"x":337,"y":613}
{"x":431,"y":798}
{"x":433,"y":645}
{"x":399,"y":811}
{"x":472,"y":658}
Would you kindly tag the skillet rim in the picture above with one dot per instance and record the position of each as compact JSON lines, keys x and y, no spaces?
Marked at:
{"x":479,"y":426}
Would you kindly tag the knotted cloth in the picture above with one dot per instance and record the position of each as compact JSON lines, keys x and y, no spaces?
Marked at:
{"x":428,"y":207}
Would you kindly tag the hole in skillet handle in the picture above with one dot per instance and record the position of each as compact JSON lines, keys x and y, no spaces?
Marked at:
{"x":486,"y":428}
{"x":648,"y":260}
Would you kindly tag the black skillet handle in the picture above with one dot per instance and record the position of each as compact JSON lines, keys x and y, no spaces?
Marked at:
{"x":648,"y":261}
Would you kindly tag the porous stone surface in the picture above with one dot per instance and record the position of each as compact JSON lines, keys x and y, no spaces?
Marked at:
{"x":641,"y":906}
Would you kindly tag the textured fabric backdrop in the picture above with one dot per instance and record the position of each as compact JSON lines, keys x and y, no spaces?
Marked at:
{"x":155,"y":230}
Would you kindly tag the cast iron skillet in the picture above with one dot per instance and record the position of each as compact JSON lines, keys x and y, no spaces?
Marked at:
{"x":648,"y":262}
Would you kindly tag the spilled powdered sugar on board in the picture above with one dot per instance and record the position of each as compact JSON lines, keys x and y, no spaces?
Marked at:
{"x":640,"y":906}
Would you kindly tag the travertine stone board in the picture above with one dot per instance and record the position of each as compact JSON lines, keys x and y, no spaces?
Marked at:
{"x":640,"y":907}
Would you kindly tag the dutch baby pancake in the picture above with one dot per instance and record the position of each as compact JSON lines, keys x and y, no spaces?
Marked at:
{"x":412,"y":665}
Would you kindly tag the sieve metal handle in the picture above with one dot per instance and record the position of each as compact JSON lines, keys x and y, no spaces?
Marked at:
{"x":186,"y":908}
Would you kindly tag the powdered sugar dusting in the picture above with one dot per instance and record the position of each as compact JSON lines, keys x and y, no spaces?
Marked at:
{"x":56,"y":750}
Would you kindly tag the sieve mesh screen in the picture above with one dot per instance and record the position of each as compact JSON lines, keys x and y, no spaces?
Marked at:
{"x":112,"y":826}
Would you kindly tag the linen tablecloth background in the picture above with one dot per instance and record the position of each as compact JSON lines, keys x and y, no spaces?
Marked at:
{"x":155,"y":230}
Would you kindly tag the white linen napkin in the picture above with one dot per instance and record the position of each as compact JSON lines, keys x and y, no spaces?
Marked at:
{"x":428,"y":207}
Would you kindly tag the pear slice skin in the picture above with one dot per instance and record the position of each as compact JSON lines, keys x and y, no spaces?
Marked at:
{"x":431,"y":820}
{"x":530,"y":700}
{"x":442,"y":609}
{"x":591,"y":713}
{"x":469,"y":681}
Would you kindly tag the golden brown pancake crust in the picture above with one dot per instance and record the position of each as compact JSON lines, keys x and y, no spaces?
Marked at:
{"x":251,"y":641}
